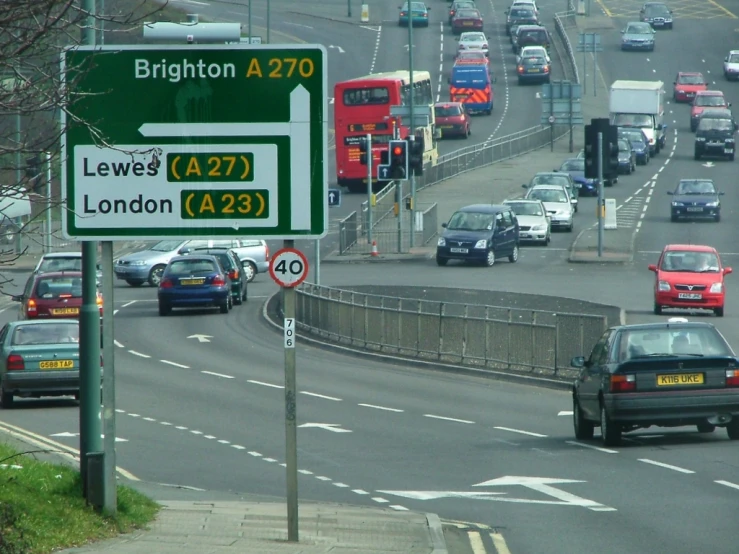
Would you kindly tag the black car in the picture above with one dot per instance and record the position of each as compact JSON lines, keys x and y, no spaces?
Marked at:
{"x":533,"y":69}
{"x":695,"y":198}
{"x":714,"y":136}
{"x":520,"y":16}
{"x":233,"y":266}
{"x":657,"y":14}
{"x":480,"y":233}
{"x":531,"y":36}
{"x":626,"y":157}
{"x":664,"y":374}
{"x":639,"y":143}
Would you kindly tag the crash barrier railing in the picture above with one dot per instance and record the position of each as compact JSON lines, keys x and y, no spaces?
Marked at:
{"x":484,"y":337}
{"x":562,"y":21}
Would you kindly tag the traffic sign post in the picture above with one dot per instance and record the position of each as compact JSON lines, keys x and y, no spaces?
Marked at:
{"x":289,"y":267}
{"x":175,"y":141}
{"x":334,"y":198}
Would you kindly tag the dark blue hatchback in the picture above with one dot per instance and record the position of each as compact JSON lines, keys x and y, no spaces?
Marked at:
{"x":194,"y":281}
{"x":481,"y":233}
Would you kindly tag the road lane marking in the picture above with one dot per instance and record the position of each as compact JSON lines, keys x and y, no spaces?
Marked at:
{"x":565,"y":413}
{"x":221,"y":375}
{"x":520,"y":431}
{"x":269,"y":460}
{"x":255,"y":453}
{"x":131,"y":303}
{"x":320,"y":396}
{"x":454,"y":419}
{"x":305,"y":472}
{"x":398,"y":507}
{"x":604,"y":8}
{"x":380,"y":408}
{"x":380,"y":500}
{"x":721,"y":8}
{"x":499,"y":543}
{"x":194,"y":432}
{"x":666,"y":466}
{"x":139,"y":354}
{"x":174,"y":364}
{"x":592,"y":447}
{"x":377,"y":48}
{"x":323,"y":478}
{"x":118,"y":344}
{"x":728,"y":484}
{"x":476,"y":543}
{"x":238,"y":447}
{"x":359,"y":491}
{"x":341,"y":485}
{"x":264,"y":384}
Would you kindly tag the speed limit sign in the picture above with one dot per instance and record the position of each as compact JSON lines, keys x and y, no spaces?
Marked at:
{"x":289,"y":267}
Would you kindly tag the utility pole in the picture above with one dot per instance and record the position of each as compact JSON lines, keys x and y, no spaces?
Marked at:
{"x":90,"y":422}
{"x":412,"y":128}
{"x":601,"y":194}
{"x":368,"y":138}
{"x":289,"y":297}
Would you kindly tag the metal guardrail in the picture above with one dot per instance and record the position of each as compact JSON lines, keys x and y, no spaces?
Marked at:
{"x":484,"y":337}
{"x":562,"y":20}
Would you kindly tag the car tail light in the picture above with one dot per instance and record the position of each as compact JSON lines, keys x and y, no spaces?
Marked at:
{"x":520,"y":69}
{"x":546,"y":69}
{"x":166,"y":284}
{"x":403,"y":14}
{"x":65,"y":296}
{"x":99,"y":300}
{"x":266,"y":253}
{"x":732,"y":377}
{"x":623,"y":383}
{"x":233,"y":274}
{"x":31,"y":307}
{"x":15,"y":363}
{"x":218,"y":281}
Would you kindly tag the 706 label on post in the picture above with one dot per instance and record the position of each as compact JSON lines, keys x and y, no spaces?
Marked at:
{"x":289,"y":332}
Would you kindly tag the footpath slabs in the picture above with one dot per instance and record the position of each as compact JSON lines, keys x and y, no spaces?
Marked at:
{"x":191,"y":141}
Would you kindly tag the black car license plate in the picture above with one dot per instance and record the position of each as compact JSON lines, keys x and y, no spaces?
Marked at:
{"x":458,"y":250}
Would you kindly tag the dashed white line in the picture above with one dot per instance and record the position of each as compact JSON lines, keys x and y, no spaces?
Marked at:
{"x":323,"y":478}
{"x":359,"y":491}
{"x":221,"y":375}
{"x":209,"y":437}
{"x":118,"y":344}
{"x":377,"y":48}
{"x":380,"y":500}
{"x":320,"y":396}
{"x":223,"y":441}
{"x":269,"y":460}
{"x":238,"y":447}
{"x":454,"y":419}
{"x":728,"y":484}
{"x":132,"y":302}
{"x":194,"y":432}
{"x":165,"y":423}
{"x":398,"y":507}
{"x":565,"y":413}
{"x":385,"y":408}
{"x":520,"y":432}
{"x":341,"y":485}
{"x":134,"y":415}
{"x":262,"y":383}
{"x":148,"y":419}
{"x":666,"y":466}
{"x":598,"y":448}
{"x":181,"y":428}
{"x":174,"y":364}
{"x":139,"y":354}
{"x":255,"y":454}
{"x":305,"y":472}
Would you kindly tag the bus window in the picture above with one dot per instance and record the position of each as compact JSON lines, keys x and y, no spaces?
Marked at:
{"x":363,"y":96}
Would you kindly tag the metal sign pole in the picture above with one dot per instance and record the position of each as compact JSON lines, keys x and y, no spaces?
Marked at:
{"x":595,"y":69}
{"x":110,"y":496}
{"x":291,"y":435}
{"x":412,"y":128}
{"x":601,"y":202}
{"x":368,"y":138}
{"x":583,"y":37}
{"x":317,"y":268}
{"x":47,"y":242}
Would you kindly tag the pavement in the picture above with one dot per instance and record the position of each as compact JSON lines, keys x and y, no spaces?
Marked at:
{"x":503,"y":180}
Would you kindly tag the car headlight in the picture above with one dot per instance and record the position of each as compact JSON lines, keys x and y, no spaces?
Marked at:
{"x":441,"y":242}
{"x":663,"y":286}
{"x":680,"y":91}
{"x":729,"y":140}
{"x":676,"y":204}
{"x":138,"y":262}
{"x":712,"y":204}
{"x":541,"y":227}
{"x":700,"y":139}
{"x":717,"y":287}
{"x":483,"y":243}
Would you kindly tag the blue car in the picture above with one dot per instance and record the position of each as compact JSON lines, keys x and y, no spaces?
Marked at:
{"x":419,"y":15}
{"x":637,"y":36}
{"x":639,"y":143}
{"x":575,"y":167}
{"x":695,"y":198}
{"x":481,"y":233}
{"x":194,"y":281}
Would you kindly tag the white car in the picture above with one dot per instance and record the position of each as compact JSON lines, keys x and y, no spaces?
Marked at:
{"x":534,"y":51}
{"x":557,"y":203}
{"x":533,"y":223}
{"x":525,"y":4}
{"x":731,"y":66}
{"x":472,"y":41}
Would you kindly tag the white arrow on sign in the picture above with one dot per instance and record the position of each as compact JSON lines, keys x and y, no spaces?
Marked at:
{"x":333,"y":427}
{"x":339,"y":48}
{"x":201,"y":338}
{"x":708,"y":164}
{"x":298,"y":129}
{"x":331,"y":197}
{"x":68,"y":434}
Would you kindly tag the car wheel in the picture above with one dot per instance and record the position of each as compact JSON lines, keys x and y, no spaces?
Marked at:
{"x":224,"y":307}
{"x":513,"y":257}
{"x":7,"y":400}
{"x":706,"y":427}
{"x":731,"y":157}
{"x":155,"y":275}
{"x":490,"y":259}
{"x":245,"y":294}
{"x":732,"y":429}
{"x":717,"y":218}
{"x":657,"y":309}
{"x":583,"y":428}
{"x":571,"y":227}
{"x":693,"y":127}
{"x":164,"y":309}
{"x":441,"y":261}
{"x":609,"y":431}
{"x":719,"y":311}
{"x":135,"y":282}
{"x":250,"y":271}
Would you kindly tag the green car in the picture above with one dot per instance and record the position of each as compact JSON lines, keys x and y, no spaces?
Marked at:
{"x":39,"y":358}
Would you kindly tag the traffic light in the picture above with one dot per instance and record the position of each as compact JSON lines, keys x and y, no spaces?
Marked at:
{"x":417,"y":148}
{"x":610,"y":153}
{"x":603,"y":126}
{"x":365,"y":147}
{"x":398,"y":159}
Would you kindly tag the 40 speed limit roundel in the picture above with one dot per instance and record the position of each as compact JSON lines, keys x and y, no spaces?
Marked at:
{"x":289,"y":267}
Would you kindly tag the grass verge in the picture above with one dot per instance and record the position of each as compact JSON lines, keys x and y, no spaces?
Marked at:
{"x":42,"y":509}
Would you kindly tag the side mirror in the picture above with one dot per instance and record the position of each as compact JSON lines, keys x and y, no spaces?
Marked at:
{"x":573,"y":201}
{"x":525,"y":186}
{"x":726,"y":59}
{"x":444,"y":225}
{"x":728,"y":105}
{"x":669,"y":192}
{"x":577,"y":361}
{"x":728,"y":270}
{"x":623,"y":32}
{"x":721,"y":193}
{"x":17,"y":298}
{"x":184,"y":250}
{"x":660,"y":126}
{"x":652,"y":267}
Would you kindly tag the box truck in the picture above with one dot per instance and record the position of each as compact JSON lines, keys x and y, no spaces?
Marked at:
{"x":640,"y":104}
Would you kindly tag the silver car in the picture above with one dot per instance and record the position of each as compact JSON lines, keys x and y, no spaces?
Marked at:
{"x":533,"y":223}
{"x":64,"y":261}
{"x":148,"y":265}
{"x":556,"y":201}
{"x":731,"y":66}
{"x":473,"y":41}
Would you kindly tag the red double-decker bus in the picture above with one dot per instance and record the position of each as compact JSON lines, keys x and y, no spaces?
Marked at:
{"x":362,"y":106}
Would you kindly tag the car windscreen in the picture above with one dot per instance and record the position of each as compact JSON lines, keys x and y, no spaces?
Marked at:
{"x":715,"y":124}
{"x":709,"y":100}
{"x":548,"y":195}
{"x":54,"y":333}
{"x":50,"y":288}
{"x":472,"y":37}
{"x":532,"y":36}
{"x":471,"y":221}
{"x":633,"y":120}
{"x":639,"y":29}
{"x":696,"y":187}
{"x":196,"y":266}
{"x":690,"y":261}
{"x":448,"y":111}
{"x":521,"y":13}
{"x":526,"y":208}
{"x":49,"y":265}
{"x":550,"y":180}
{"x":624,"y":146}
{"x":468,"y":14}
{"x":691,"y":80}
{"x":734,"y":58}
{"x":676,"y":341}
{"x":632,"y":136}
{"x":577,"y":164}
{"x":656,"y":9}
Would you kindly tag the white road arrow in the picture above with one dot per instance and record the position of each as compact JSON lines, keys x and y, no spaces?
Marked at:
{"x":298,"y":129}
{"x":333,"y":427}
{"x":434,"y":495}
{"x":339,"y":48}
{"x":708,"y":164}
{"x":543,"y":485}
{"x":68,"y":434}
{"x":201,"y":338}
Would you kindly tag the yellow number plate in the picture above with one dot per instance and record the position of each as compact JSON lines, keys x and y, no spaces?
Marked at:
{"x":192,"y":281}
{"x":680,"y":379}
{"x":65,"y":311}
{"x":57,"y":364}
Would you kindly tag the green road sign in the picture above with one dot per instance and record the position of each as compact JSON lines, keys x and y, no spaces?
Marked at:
{"x":195,"y":141}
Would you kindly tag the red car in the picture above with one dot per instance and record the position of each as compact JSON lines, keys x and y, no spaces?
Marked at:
{"x":466,"y":20}
{"x":706,"y":99}
{"x":452,"y":119}
{"x":56,"y":295}
{"x":687,"y":85}
{"x":689,"y":276}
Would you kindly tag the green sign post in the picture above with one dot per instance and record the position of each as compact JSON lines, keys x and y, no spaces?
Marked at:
{"x":195,"y":141}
